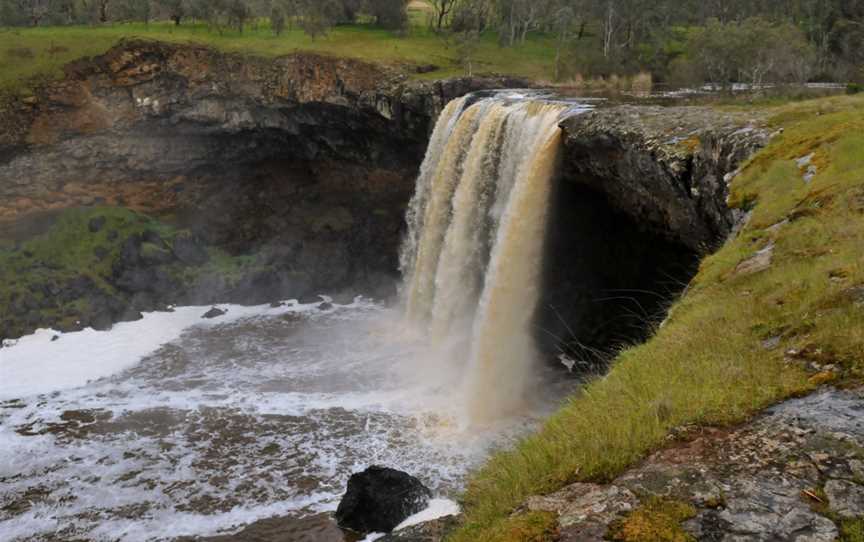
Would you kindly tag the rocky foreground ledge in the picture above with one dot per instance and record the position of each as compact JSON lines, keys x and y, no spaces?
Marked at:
{"x":794,"y":473}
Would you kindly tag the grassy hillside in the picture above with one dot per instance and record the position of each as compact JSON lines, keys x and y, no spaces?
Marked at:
{"x":748,"y":332}
{"x":29,"y":52}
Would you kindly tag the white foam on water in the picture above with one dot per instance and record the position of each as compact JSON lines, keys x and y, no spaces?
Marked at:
{"x":263,"y":412}
{"x":438,"y":508}
{"x":38,"y":364}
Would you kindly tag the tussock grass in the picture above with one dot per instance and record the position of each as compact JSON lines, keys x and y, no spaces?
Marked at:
{"x":709,"y":363}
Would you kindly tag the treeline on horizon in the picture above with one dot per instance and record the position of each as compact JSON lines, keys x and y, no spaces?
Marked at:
{"x":681,"y":42}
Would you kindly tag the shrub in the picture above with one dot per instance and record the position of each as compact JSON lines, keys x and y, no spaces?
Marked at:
{"x":854,"y":88}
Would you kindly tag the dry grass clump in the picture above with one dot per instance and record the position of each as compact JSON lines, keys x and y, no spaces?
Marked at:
{"x":709,"y":363}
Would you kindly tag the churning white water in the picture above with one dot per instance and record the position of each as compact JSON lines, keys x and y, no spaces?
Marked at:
{"x":175,"y":426}
{"x":472,"y":258}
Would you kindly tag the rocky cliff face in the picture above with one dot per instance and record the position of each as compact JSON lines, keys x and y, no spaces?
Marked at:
{"x":643,"y":200}
{"x":305,"y":160}
{"x":298,"y":170}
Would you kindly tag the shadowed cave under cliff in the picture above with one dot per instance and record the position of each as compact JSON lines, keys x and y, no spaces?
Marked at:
{"x":334,"y":216}
{"x":335,"y":220}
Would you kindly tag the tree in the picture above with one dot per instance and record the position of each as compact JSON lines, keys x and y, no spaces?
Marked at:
{"x":471,"y":15}
{"x":175,"y":10}
{"x":134,"y":10}
{"x":754,"y":51}
{"x":238,"y":12}
{"x":277,"y":20}
{"x":563,"y":25}
{"x":391,"y":14}
{"x":442,"y":9}
{"x":467,"y":43}
{"x":317,"y":17}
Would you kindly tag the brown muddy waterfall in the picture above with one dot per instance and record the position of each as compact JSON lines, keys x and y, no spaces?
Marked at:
{"x":472,"y":257}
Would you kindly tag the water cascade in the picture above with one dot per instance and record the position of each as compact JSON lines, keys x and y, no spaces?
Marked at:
{"x":472,"y":257}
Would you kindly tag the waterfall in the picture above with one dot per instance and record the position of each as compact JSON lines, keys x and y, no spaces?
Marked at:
{"x":472,"y":258}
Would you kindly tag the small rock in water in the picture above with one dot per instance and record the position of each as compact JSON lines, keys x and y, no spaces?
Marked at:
{"x":277,"y":304}
{"x":378,"y":499}
{"x":309,"y":299}
{"x":326,"y":306}
{"x":55,"y":338}
{"x":214,"y":313}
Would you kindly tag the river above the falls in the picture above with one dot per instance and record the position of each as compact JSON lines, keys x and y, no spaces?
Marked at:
{"x":175,"y":425}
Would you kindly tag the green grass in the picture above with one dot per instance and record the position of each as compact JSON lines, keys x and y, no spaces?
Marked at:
{"x":35,"y":271}
{"x":852,"y":530}
{"x":420,"y":46}
{"x":707,"y":363}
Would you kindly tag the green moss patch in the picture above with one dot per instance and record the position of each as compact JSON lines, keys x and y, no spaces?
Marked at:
{"x":54,"y":277}
{"x":658,"y":520}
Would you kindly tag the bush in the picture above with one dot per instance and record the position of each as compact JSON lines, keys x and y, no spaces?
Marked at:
{"x":854,"y":88}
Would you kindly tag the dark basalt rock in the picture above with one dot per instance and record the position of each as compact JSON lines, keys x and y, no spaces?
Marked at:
{"x":379,"y":498}
{"x":215,"y":312}
{"x":666,"y":167}
{"x":190,"y":250}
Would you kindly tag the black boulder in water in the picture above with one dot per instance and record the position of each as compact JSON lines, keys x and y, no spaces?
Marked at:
{"x":378,"y":499}
{"x":215,"y":312}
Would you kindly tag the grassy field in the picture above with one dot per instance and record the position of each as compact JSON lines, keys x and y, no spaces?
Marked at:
{"x":714,"y":361}
{"x":29,"y":52}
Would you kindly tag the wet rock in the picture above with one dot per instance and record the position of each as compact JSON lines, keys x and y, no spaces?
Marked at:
{"x":155,"y":254}
{"x":326,"y":306}
{"x":96,"y":224}
{"x":190,"y":250}
{"x":102,"y":321}
{"x":585,"y":510}
{"x":379,"y":498}
{"x":344,"y":298}
{"x":430,"y":531}
{"x":846,"y":498}
{"x":666,"y":167}
{"x":215,"y":312}
{"x":317,"y":528}
{"x":130,"y":315}
{"x":771,"y":509}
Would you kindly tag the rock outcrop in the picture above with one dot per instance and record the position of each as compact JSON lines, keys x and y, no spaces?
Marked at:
{"x":665,"y":167}
{"x":643,"y":200}
{"x":789,"y":475}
